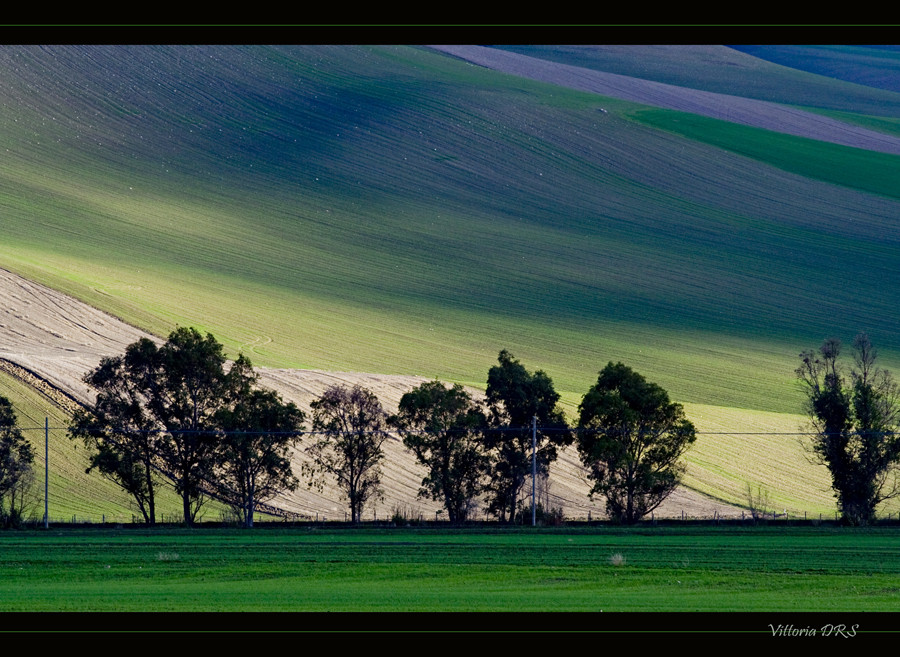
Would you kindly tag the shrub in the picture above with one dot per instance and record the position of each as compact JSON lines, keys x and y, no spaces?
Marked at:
{"x":545,"y":517}
{"x":404,"y":516}
{"x":758,"y":503}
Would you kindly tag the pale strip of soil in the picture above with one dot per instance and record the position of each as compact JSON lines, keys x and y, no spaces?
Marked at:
{"x":746,"y":111}
{"x":50,"y":341}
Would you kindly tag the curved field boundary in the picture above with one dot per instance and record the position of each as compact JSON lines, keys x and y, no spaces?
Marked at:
{"x":57,"y":397}
{"x":50,"y":341}
{"x":69,"y":405}
{"x":747,"y":111}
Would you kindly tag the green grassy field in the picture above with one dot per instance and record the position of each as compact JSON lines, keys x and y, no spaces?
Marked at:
{"x":298,"y":224}
{"x":875,"y":173}
{"x":671,"y":568}
{"x":73,"y":493}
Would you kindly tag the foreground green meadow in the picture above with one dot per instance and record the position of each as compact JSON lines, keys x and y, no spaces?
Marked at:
{"x":663,"y":568}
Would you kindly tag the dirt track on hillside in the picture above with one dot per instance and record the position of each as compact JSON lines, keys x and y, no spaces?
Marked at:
{"x":746,"y":111}
{"x":50,"y":341}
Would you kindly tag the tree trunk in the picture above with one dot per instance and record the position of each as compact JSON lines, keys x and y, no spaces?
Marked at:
{"x":188,"y":516}
{"x":151,"y":502}
{"x":251,"y":494}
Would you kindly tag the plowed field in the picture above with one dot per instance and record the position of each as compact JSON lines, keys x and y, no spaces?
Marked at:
{"x":57,"y":340}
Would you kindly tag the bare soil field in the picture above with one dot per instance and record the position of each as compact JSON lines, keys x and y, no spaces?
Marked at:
{"x":746,"y":111}
{"x":50,"y":341}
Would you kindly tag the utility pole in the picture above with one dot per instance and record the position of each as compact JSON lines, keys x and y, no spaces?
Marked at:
{"x":46,"y":469}
{"x":533,"y":469}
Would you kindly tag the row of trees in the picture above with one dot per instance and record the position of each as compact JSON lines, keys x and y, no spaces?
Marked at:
{"x":175,"y":412}
{"x":630,"y":438}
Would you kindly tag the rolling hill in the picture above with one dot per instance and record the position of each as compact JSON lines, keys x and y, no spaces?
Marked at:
{"x":402,"y":211}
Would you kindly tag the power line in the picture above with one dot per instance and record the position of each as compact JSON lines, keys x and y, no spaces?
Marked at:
{"x":427,"y":431}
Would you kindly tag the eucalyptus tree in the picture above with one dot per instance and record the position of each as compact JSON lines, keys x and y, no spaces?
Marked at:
{"x":155,"y":416}
{"x":855,"y":420}
{"x":443,"y":427}
{"x":349,"y":428}
{"x":258,"y":433}
{"x":516,"y":399}
{"x":631,"y":438}
{"x":119,"y":429}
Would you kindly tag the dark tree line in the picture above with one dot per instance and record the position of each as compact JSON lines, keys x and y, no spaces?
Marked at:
{"x":630,"y":438}
{"x":175,"y":412}
{"x":179,"y":413}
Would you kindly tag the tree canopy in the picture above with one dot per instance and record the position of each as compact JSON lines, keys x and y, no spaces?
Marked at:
{"x":515,"y":396}
{"x":442,"y":426}
{"x":350,"y":427}
{"x":120,"y":429}
{"x":161,"y":410}
{"x":254,"y":450}
{"x":630,"y":439}
{"x":855,"y":422}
